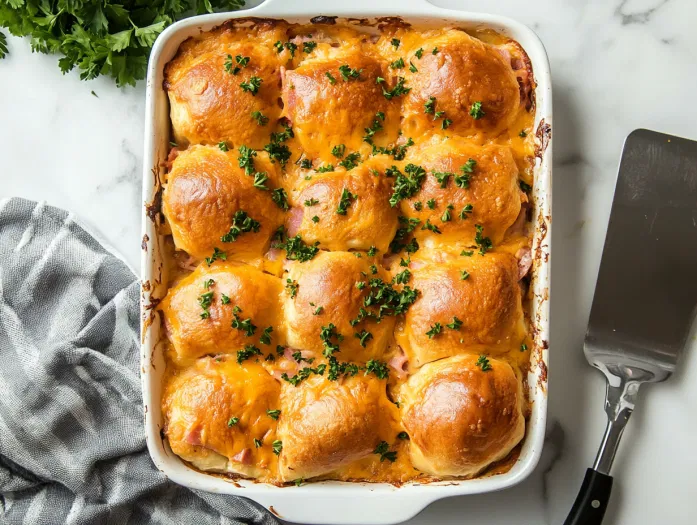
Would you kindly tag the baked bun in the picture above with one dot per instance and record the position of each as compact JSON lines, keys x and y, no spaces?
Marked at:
{"x":469,"y":185}
{"x":368,"y":219}
{"x":200,"y":324}
{"x":484,"y":309}
{"x":462,"y":417}
{"x":207,"y":102}
{"x":215,"y":409}
{"x":207,"y":194}
{"x":328,"y":293}
{"x":463,"y":71}
{"x":329,"y":109}
{"x":325,"y":425}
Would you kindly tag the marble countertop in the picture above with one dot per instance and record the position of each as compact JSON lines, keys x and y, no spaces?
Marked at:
{"x":616,"y":66}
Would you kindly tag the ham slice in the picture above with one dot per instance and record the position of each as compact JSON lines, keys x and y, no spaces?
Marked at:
{"x":397,"y":362}
{"x":193,"y":436}
{"x":295,"y":219}
{"x":524,"y":256}
{"x":244,"y":456}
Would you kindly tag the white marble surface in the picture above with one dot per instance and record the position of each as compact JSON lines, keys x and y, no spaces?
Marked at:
{"x":616,"y":66}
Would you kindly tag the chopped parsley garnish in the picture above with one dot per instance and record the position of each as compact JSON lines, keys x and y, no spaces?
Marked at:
{"x":408,"y":226}
{"x":276,"y":149}
{"x":309,"y":47}
{"x":419,"y":52}
{"x":483,"y":363}
{"x":339,"y":150}
{"x":446,"y":214}
{"x":296,"y":249}
{"x":332,"y":80}
{"x":233,"y":421}
{"x":373,"y":269}
{"x":290,"y":46}
{"x":245,"y":325}
{"x":315,"y":219}
{"x":464,"y":275}
{"x":277,"y":446}
{"x":435,"y":51}
{"x":360,"y":285}
{"x":466,"y":253}
{"x":412,"y":67}
{"x":222,"y":145}
{"x":442,"y":177}
{"x":318,"y":310}
{"x":205,"y":301}
{"x":466,"y":211}
{"x":525,"y":186}
{"x":348,"y":73}
{"x":246,"y":159}
{"x":345,"y":202}
{"x":523,"y":133}
{"x":338,"y":369}
{"x":298,"y":481}
{"x":208,"y":283}
{"x":279,"y":46}
{"x":351,"y":160}
{"x":434,"y":331}
{"x":396,"y":91}
{"x":260,"y":180}
{"x":257,"y":443}
{"x":260,"y":118}
{"x":311,"y":202}
{"x":252,"y":85}
{"x":241,"y":62}
{"x":403,"y":435}
{"x":265,"y":337}
{"x":280,"y":197}
{"x":386,"y":299}
{"x":364,"y":337}
{"x":273,"y":414}
{"x":430,"y":106}
{"x":247,"y":352}
{"x":406,"y":186}
{"x":383,"y":450}
{"x":395,"y":43}
{"x":306,"y":164}
{"x":455,"y":325}
{"x":292,"y":288}
{"x":303,"y":374}
{"x":398,"y":152}
{"x":431,"y":203}
{"x":379,"y":368}
{"x":397,"y":64}
{"x":466,"y":171}
{"x":241,"y":223}
{"x":402,"y":277}
{"x":431,"y":227}
{"x":445,"y":124}
{"x":476,"y":111}
{"x":372,"y":251}
{"x":523,"y":347}
{"x":374,"y":127}
{"x":224,"y":299}
{"x":326,"y":334}
{"x":218,"y":254}
{"x":418,"y":206}
{"x":484,"y":243}
{"x":326,"y":168}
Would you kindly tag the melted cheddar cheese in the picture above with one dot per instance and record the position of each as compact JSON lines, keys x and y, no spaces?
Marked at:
{"x":347,"y":218}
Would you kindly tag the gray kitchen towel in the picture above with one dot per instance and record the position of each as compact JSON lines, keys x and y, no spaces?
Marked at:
{"x":72,"y":445}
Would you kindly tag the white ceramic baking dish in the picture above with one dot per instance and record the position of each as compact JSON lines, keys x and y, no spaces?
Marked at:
{"x":338,"y":502}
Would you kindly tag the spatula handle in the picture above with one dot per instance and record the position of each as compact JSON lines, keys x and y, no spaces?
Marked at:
{"x":591,"y":502}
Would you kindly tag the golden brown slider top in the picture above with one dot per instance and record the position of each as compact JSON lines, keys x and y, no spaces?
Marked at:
{"x":219,"y":80}
{"x":470,"y":82}
{"x":345,"y":210}
{"x":210,"y":202}
{"x":465,"y":185}
{"x":462,"y":414}
{"x":326,"y":424}
{"x":466,"y":304}
{"x":331,"y":289}
{"x":226,"y":308}
{"x":219,"y":415}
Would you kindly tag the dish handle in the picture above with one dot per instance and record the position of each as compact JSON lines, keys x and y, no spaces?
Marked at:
{"x":322,"y":7}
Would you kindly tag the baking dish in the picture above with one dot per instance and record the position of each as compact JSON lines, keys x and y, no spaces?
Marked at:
{"x":318,"y":502}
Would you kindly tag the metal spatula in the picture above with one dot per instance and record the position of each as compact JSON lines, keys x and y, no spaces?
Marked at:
{"x":646,"y":295}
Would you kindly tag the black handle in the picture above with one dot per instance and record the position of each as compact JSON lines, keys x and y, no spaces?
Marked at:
{"x":591,"y":502}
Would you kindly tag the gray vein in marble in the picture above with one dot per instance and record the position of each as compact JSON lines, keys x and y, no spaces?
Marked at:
{"x":638,"y":17}
{"x":555,"y":439}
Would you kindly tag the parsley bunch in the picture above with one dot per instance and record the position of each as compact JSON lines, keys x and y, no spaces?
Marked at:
{"x":100,"y":37}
